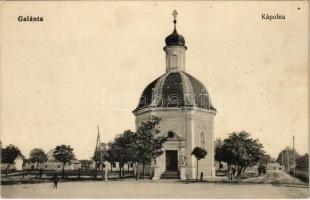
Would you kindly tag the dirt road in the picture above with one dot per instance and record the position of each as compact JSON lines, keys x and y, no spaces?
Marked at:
{"x":149,"y":189}
{"x":274,"y":176}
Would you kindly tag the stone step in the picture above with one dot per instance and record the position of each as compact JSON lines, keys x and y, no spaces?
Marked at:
{"x":170,"y":175}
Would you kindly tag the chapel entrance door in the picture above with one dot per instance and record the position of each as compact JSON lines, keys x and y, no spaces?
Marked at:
{"x":171,"y":160}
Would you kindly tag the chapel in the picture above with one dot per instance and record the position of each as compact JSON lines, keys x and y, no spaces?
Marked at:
{"x":187,"y":114}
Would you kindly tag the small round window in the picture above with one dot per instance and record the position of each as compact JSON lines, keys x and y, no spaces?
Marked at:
{"x":170,"y":134}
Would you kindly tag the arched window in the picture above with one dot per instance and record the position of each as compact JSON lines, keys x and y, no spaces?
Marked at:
{"x":174,"y":61}
{"x":202,"y":139}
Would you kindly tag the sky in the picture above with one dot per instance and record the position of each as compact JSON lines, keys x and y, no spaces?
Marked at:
{"x":87,"y":64}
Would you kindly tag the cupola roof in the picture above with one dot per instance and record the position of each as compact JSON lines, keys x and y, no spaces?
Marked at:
{"x":174,"y":38}
{"x":175,"y":90}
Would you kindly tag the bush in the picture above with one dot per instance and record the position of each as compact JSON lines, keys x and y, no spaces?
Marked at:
{"x":302,"y":175}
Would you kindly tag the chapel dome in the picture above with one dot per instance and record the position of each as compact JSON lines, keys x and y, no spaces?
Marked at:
{"x":175,"y":39}
{"x":175,"y":90}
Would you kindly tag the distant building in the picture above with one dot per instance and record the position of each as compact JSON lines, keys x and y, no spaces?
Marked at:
{"x":275,"y":166}
{"x":223,"y":166}
{"x":86,"y":164}
{"x":17,"y":165}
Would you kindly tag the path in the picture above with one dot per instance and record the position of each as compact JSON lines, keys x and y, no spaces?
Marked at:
{"x":151,"y":189}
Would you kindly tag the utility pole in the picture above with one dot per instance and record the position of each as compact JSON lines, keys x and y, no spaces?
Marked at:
{"x":288,"y":158}
{"x":294,"y":164}
{"x":282,"y":163}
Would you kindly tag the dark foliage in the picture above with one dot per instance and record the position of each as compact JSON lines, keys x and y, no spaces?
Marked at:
{"x":63,"y":154}
{"x":37,"y":155}
{"x":241,"y":150}
{"x":199,"y":153}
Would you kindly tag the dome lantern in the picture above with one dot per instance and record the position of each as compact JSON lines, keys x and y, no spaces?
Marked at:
{"x":174,"y":38}
{"x":175,"y":49}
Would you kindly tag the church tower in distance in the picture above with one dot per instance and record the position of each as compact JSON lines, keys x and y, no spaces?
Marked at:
{"x":187,"y":115}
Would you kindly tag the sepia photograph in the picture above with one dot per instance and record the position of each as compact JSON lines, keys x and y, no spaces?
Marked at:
{"x":154,"y":99}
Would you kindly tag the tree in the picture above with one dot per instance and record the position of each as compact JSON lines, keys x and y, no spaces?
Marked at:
{"x":121,"y":150}
{"x":142,"y":146}
{"x":9,"y":154}
{"x":199,"y":153}
{"x":302,"y":163}
{"x":218,"y":151}
{"x":63,"y":154}
{"x":265,"y":159}
{"x":286,"y":157}
{"x":148,"y":144}
{"x":37,"y":155}
{"x":241,"y":150}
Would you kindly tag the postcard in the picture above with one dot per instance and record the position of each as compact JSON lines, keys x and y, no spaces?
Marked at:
{"x":154,"y":99}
